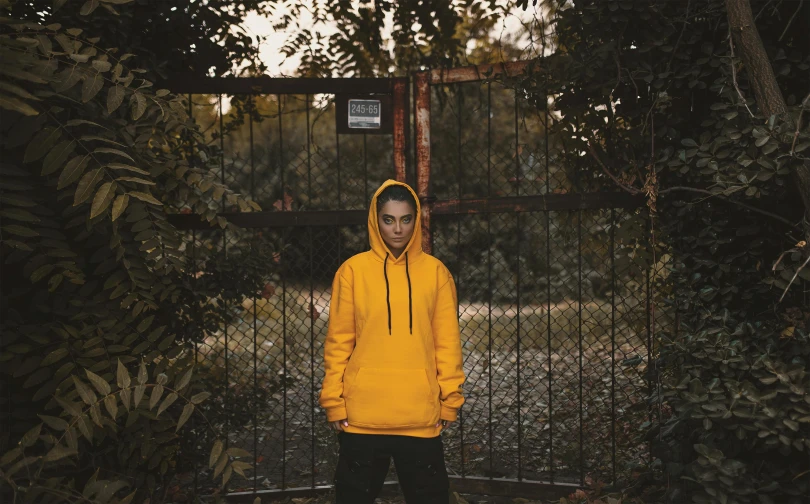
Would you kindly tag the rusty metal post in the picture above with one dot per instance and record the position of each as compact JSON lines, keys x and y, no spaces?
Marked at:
{"x":422,"y":133}
{"x":400,"y":127}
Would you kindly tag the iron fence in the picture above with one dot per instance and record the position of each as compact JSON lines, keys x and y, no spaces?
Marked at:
{"x":555,"y":309}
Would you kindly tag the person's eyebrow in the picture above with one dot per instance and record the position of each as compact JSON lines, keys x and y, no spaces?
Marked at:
{"x":389,"y":215}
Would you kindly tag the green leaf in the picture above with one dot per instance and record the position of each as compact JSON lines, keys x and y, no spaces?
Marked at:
{"x":17,"y":105}
{"x":58,"y":154}
{"x":88,"y":7}
{"x":119,"y":166}
{"x":41,"y":144}
{"x":11,"y":456}
{"x":98,"y":382}
{"x":59,"y":452}
{"x":157,"y":393}
{"x":125,"y":397}
{"x":87,"y":395}
{"x":102,"y":65}
{"x":101,"y":201}
{"x":146,"y":197}
{"x":55,"y":356}
{"x":688,"y":142}
{"x":19,"y":214}
{"x":138,"y":105}
{"x":184,"y":380}
{"x":91,"y":86}
{"x":136,"y":180}
{"x":188,"y":409}
{"x":20,"y":230}
{"x":115,"y":97}
{"x":238,"y":452}
{"x":28,"y":439}
{"x":143,"y":376}
{"x":111,"y":405}
{"x":139,"y":391}
{"x":120,"y":205}
{"x":73,"y":409}
{"x":170,"y":399}
{"x":216,"y":450}
{"x":85,"y":427}
{"x":54,"y":422}
{"x":73,"y":170}
{"x":16,"y":72}
{"x":122,"y":376}
{"x":107,"y":150}
{"x":86,"y":186}
{"x":200,"y":397}
{"x":17,"y":90}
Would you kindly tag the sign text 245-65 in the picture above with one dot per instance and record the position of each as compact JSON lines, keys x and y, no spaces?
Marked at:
{"x":365,"y":114}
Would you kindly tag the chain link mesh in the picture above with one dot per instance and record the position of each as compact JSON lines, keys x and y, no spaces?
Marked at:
{"x":554,"y":306}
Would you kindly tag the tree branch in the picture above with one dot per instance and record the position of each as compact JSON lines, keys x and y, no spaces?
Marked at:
{"x":595,"y":155}
{"x":720,"y":195}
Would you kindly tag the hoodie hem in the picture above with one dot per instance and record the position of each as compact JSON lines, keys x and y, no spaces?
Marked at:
{"x":420,"y":432}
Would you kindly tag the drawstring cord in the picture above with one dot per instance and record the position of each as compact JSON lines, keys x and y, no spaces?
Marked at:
{"x":410,"y":298}
{"x":388,"y":293}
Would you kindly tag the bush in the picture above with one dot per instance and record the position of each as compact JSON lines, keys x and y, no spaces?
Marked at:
{"x":97,"y":284}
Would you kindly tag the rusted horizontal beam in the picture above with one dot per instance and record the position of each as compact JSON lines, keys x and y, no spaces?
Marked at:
{"x":183,"y":84}
{"x":527,"y":489}
{"x":539,"y":203}
{"x":476,"y":72}
{"x":468,"y":485}
{"x":275,"y":219}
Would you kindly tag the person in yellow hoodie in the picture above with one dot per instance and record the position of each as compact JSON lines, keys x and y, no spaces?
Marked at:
{"x":392,"y":357}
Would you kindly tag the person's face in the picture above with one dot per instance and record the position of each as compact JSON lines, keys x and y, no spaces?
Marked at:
{"x":396,"y":220}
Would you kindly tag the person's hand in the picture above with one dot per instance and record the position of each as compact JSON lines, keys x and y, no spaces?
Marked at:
{"x":443,"y":423}
{"x":338,"y":425}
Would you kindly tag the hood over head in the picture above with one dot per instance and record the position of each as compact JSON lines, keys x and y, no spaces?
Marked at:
{"x":381,"y":251}
{"x":378,"y":246}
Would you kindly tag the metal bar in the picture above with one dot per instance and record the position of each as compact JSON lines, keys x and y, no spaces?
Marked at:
{"x":281,"y":157}
{"x":365,"y":169}
{"x":309,"y":154}
{"x":550,"y":362}
{"x":269,"y":85}
{"x":337,"y":161}
{"x":528,"y":489}
{"x":422,"y":117}
{"x":489,"y":335}
{"x":579,"y":313}
{"x":517,"y":149}
{"x":489,"y":140}
{"x":221,"y":148}
{"x":477,"y":73}
{"x":548,"y":310}
{"x":613,"y":342}
{"x":252,"y":164}
{"x":255,"y":386}
{"x":537,"y":203}
{"x":458,"y":140}
{"x":312,"y":357}
{"x":275,"y":219}
{"x":196,"y":357}
{"x":517,"y":364}
{"x":400,"y":111}
{"x":411,"y":171}
{"x":283,"y":265}
{"x":648,"y":310}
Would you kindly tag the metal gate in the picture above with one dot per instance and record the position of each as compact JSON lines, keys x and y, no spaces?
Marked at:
{"x":555,"y":333}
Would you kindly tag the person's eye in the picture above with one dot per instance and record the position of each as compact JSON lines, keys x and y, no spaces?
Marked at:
{"x":406,"y":220}
{"x":388,"y":221}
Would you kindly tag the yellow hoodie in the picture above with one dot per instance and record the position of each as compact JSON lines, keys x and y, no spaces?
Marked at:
{"x":392,"y":354}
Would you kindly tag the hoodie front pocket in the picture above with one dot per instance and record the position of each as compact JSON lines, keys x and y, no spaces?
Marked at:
{"x":390,"y":397}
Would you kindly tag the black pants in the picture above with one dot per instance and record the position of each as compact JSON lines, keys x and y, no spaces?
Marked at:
{"x":363,"y":463}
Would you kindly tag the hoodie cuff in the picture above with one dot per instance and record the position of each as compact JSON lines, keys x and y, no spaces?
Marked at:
{"x":449,"y":414}
{"x":335,"y":414}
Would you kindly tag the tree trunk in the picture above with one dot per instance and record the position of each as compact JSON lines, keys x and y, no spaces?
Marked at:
{"x":763,"y":82}
{"x":752,"y":52}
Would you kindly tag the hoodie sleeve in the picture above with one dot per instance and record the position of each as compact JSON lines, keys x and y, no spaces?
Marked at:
{"x":338,"y":347}
{"x":447,"y":341}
